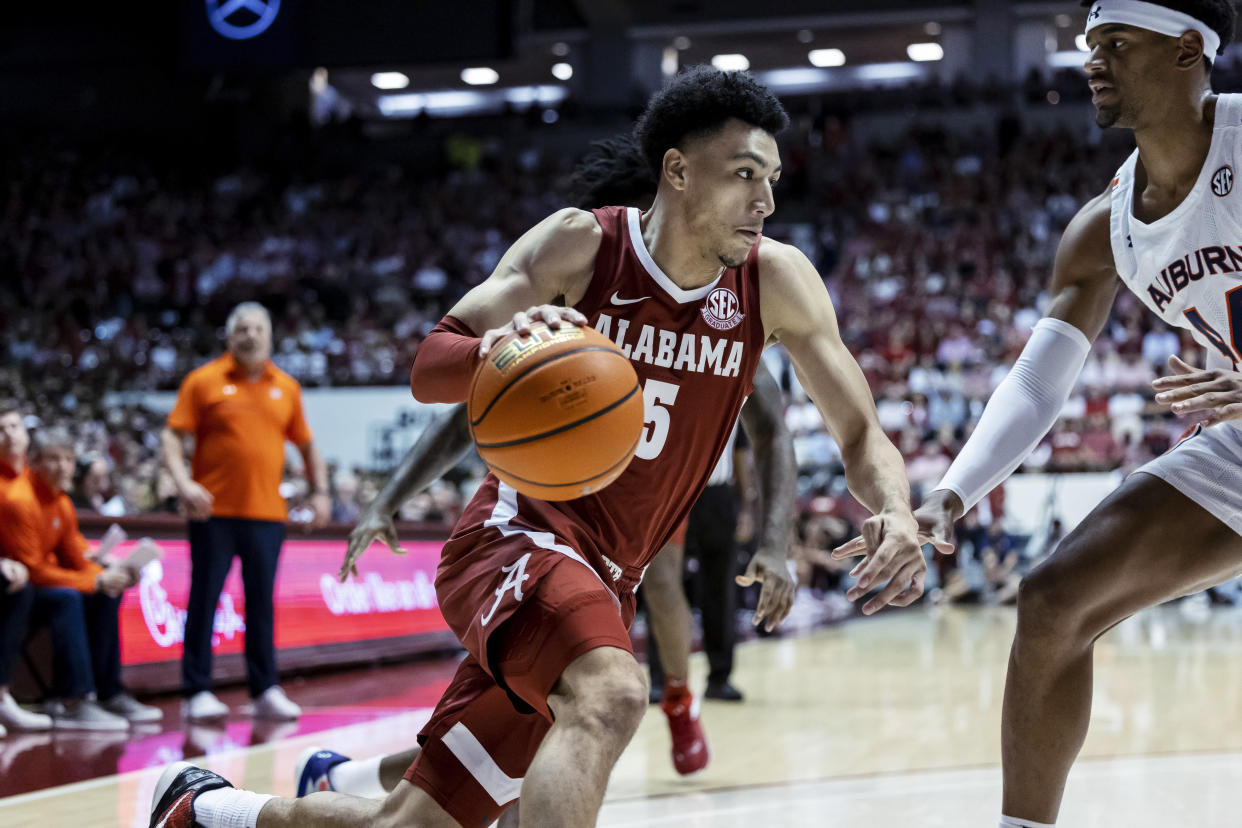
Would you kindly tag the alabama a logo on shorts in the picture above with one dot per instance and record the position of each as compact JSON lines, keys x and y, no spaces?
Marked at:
{"x":515,"y":574}
{"x":722,"y":310}
{"x":1222,"y":181}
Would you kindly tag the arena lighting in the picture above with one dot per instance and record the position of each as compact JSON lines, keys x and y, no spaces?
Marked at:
{"x":801,"y":77}
{"x":1080,"y":41}
{"x":826,"y":57}
{"x":390,"y":80}
{"x":562,"y":71}
{"x":902,"y":70}
{"x":449,"y":102}
{"x":925,"y":51}
{"x":731,"y":63}
{"x":1071,"y":59}
{"x":480,"y":76}
{"x":546,"y":94}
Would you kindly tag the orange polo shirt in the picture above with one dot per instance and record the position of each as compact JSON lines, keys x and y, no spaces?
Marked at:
{"x":240,"y":428}
{"x":7,"y":476}
{"x":39,"y":527}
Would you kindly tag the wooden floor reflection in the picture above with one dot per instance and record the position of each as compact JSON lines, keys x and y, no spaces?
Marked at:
{"x":890,"y":721}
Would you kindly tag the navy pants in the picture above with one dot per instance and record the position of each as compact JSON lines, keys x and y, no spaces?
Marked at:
{"x":14,"y":621}
{"x":213,"y":544}
{"x":86,"y":640}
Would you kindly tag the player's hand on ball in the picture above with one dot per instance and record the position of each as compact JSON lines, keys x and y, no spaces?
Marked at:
{"x":892,"y":553}
{"x":1213,"y":394}
{"x":776,"y":597}
{"x":550,"y":315}
{"x":373,"y":525}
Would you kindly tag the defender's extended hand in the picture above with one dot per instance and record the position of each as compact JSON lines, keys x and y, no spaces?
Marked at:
{"x":373,"y":525}
{"x":776,"y":597}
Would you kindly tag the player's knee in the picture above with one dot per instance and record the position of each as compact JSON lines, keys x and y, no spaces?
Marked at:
{"x":608,"y":696}
{"x":1049,"y":604}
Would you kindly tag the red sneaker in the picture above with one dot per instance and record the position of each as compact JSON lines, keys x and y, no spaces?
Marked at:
{"x":690,"y":753}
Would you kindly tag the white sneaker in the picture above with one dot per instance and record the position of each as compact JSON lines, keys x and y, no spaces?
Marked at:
{"x":17,"y":717}
{"x":274,"y":704}
{"x":86,"y":715}
{"x":203,"y":706}
{"x":130,"y":709}
{"x":3,"y":732}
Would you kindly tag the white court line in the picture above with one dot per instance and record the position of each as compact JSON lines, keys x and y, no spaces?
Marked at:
{"x":934,"y":783}
{"x":301,"y":740}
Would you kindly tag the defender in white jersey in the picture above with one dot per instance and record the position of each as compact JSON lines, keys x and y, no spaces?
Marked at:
{"x":1169,"y":227}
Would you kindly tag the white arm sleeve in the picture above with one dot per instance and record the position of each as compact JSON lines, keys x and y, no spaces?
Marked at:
{"x":1020,"y":411}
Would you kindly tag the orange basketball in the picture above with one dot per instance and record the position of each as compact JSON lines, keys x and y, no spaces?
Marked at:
{"x":556,"y":414}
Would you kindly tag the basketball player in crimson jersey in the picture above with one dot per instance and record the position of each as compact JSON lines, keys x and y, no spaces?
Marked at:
{"x":541,"y":593}
{"x":1169,"y":229}
{"x":613,"y":172}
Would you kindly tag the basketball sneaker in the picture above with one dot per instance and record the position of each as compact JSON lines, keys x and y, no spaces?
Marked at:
{"x":690,"y":753}
{"x":172,"y":805}
{"x":310,"y":774}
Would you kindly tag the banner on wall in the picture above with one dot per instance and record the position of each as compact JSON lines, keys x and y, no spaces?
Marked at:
{"x":395,"y":596}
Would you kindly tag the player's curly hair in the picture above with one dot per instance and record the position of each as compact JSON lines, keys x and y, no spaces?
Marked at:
{"x":1221,"y":16}
{"x":614,"y":172}
{"x":697,"y":103}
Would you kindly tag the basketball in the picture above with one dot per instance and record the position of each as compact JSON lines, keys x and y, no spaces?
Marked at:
{"x":556,"y":414}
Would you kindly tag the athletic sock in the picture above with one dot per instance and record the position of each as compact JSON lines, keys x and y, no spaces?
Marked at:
{"x":676,"y":692}
{"x":1015,"y":822}
{"x":229,"y":808}
{"x":358,"y":777}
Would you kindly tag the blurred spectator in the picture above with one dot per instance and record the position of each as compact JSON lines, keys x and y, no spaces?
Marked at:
{"x":94,"y":489}
{"x":79,"y":599}
{"x":240,"y":409}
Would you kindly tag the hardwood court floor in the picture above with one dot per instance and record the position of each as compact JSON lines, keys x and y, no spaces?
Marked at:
{"x":885,"y":722}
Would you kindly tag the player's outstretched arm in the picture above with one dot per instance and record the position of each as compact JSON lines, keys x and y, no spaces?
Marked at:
{"x":798,"y":312}
{"x":763,"y":418}
{"x":1026,"y":404}
{"x":440,"y":447}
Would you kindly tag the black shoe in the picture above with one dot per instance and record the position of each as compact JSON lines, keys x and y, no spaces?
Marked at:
{"x":172,"y":806}
{"x":655,"y":695}
{"x":722,"y":691}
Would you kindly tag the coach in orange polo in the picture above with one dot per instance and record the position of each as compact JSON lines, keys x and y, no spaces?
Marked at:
{"x":240,"y":409}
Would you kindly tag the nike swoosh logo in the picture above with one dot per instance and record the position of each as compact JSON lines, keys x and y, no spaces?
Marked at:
{"x":617,"y":300}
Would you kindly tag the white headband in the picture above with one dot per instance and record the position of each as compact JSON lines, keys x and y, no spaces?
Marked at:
{"x":1154,"y":18}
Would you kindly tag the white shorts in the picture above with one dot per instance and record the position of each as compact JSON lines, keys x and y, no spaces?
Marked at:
{"x":1206,"y":467}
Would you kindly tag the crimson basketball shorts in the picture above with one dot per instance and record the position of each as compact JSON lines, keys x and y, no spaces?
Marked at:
{"x":524,"y":612}
{"x":679,"y":534}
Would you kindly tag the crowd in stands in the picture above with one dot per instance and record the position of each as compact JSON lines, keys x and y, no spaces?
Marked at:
{"x":936,"y":247}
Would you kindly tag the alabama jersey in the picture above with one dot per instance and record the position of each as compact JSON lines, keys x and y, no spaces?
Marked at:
{"x":695,"y":353}
{"x":1187,"y":265}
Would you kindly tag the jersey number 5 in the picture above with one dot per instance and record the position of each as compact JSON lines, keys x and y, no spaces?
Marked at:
{"x":658,"y":398}
{"x":1233,"y":300}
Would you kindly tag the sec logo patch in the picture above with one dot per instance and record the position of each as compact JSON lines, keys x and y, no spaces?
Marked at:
{"x":722,"y":309}
{"x":1222,"y":181}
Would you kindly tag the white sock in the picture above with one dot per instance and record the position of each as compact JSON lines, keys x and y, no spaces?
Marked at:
{"x":358,"y":777}
{"x":1015,"y":822}
{"x":229,"y":808}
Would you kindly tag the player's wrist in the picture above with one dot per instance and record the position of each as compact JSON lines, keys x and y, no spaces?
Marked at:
{"x":945,"y":500}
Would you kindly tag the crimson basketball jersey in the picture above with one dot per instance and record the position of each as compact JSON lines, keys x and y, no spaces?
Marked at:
{"x":695,"y":353}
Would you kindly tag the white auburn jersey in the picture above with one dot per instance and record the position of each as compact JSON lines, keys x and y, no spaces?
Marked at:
{"x":1187,"y":266}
